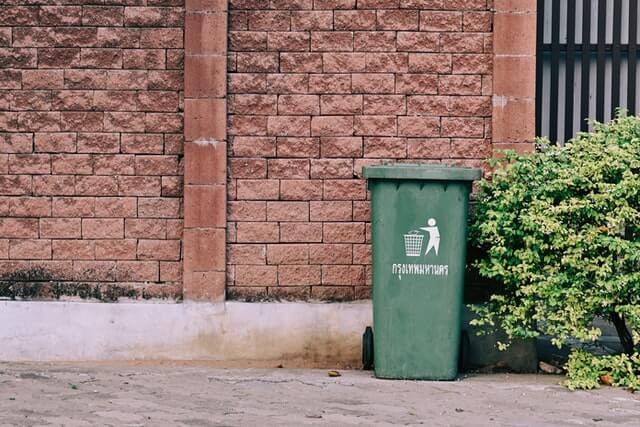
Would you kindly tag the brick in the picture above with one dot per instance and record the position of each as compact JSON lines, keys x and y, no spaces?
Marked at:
{"x":96,"y":185}
{"x":332,"y":125}
{"x":171,"y":271}
{"x":472,"y":63}
{"x":247,"y":254}
{"x":440,"y":21}
{"x":329,"y":83}
{"x":339,"y":275}
{"x":418,"y":42}
{"x":430,"y":105}
{"x":374,"y":41}
{"x":60,"y":228}
{"x":385,"y":147}
{"x":302,"y":189}
{"x":259,"y":62}
{"x":145,"y":228}
{"x":29,"y":164}
{"x":287,"y":211}
{"x":288,"y":168}
{"x":343,"y":62}
{"x":74,"y":250}
{"x":171,"y":38}
{"x":344,"y":189}
{"x":18,"y":228}
{"x":375,"y":125}
{"x":137,"y":271}
{"x":428,"y":148}
{"x":355,"y":20}
{"x":115,"y":249}
{"x":331,"y":168}
{"x":247,"y":41}
{"x":158,"y":207}
{"x":477,"y":21}
{"x":239,"y":83}
{"x":299,"y":63}
{"x":67,"y":164}
{"x":330,"y":253}
{"x":430,"y":63}
{"x":102,"y":228}
{"x":361,"y":211}
{"x":462,"y":42}
{"x":297,"y":147}
{"x":276,"y":20}
{"x":115,"y":207}
{"x":46,"y":185}
{"x":16,"y":185}
{"x":470,"y":127}
{"x":253,"y":104}
{"x":29,"y":206}
{"x":256,"y":275}
{"x":39,"y":121}
{"x":300,"y":232}
{"x":158,"y":250}
{"x":298,"y":104}
{"x":288,"y":125}
{"x":459,"y":85}
{"x":73,"y":206}
{"x":20,"y":58}
{"x":10,"y":79}
{"x":253,"y":146}
{"x":290,"y":41}
{"x":103,"y":15}
{"x":343,"y":232}
{"x":18,"y":15}
{"x":139,"y":185}
{"x":259,"y":189}
{"x":334,"y":4}
{"x":514,"y":76}
{"x":397,"y":19}
{"x":297,"y":275}
{"x":153,"y":16}
{"x":30,"y":249}
{"x":246,"y":211}
{"x":341,"y":146}
{"x":418,"y":126}
{"x":141,"y":143}
{"x":16,"y":142}
{"x":332,"y":293}
{"x":384,"y":104}
{"x":58,"y":57}
{"x":95,"y":271}
{"x":287,"y":254}
{"x":331,"y":211}
{"x":258,"y":232}
{"x":373,"y":83}
{"x":312,"y":20}
{"x":331,"y":41}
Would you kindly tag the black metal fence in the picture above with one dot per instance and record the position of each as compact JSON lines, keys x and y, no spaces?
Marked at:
{"x":586,"y":63}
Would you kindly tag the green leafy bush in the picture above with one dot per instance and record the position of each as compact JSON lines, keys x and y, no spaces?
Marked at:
{"x":586,"y":371}
{"x":561,"y":232}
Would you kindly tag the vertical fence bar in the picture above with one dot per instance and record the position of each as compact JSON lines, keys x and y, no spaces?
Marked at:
{"x":600,"y":58}
{"x":585,"y":63}
{"x":539,"y":65}
{"x":569,"y":80}
{"x":615,"y":67}
{"x":555,"y":66}
{"x":632,"y":59}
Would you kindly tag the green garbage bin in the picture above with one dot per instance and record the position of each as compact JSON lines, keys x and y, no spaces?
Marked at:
{"x":419,"y":225}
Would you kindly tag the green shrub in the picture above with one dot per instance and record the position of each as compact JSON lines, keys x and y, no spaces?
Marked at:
{"x":561,"y":232}
{"x":586,"y":371}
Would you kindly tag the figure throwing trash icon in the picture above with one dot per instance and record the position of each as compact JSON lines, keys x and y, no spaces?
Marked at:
{"x":434,"y":236}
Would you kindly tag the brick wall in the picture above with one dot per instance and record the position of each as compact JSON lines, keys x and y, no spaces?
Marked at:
{"x":90,"y":147}
{"x":316,"y":90}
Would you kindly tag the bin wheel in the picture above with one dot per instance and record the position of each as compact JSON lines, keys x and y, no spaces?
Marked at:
{"x":367,"y":349}
{"x":463,"y":359}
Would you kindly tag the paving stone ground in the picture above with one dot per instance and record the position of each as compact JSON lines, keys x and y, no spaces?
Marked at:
{"x":135,"y":394}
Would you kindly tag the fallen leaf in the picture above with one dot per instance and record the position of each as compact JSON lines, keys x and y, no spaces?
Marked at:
{"x":334,"y":374}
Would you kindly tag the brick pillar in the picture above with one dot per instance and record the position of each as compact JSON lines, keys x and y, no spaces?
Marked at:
{"x":514,"y":75}
{"x":205,"y":151}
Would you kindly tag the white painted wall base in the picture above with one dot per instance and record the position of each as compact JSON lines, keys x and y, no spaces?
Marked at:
{"x":256,"y":334}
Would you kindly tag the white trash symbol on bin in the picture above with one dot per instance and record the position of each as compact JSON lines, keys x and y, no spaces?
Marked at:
{"x":413,"y":243}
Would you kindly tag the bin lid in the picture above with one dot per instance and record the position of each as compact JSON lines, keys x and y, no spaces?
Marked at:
{"x":432,"y":172}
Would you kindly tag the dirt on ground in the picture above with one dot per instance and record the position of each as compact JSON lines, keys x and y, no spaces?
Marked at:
{"x":180,"y":394}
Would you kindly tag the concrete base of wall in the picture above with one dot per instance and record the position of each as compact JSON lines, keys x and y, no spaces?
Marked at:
{"x":256,"y":334}
{"x":225,"y":334}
